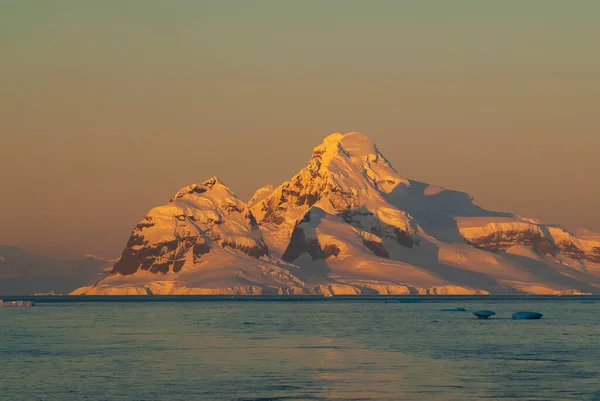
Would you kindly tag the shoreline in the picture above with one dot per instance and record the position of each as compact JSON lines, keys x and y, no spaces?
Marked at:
{"x":292,"y":298}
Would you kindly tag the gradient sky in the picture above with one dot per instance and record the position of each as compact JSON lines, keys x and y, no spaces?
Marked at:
{"x":108,"y":107}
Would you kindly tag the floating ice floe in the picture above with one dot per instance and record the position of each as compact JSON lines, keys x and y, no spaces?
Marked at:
{"x":15,"y":303}
{"x":526,"y":315}
{"x":484,"y":314}
{"x":454,"y":310}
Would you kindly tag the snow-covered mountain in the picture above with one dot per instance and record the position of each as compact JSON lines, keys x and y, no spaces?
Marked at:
{"x":347,"y":223}
{"x":23,"y":273}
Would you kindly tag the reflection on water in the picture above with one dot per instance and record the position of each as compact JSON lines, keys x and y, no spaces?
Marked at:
{"x":299,"y":351}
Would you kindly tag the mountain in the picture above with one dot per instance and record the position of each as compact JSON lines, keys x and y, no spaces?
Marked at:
{"x":23,"y":273}
{"x":347,"y":223}
{"x":204,"y":241}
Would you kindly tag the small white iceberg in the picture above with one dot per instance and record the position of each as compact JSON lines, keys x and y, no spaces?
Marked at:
{"x":15,"y":303}
{"x":454,"y":310}
{"x":484,"y":314}
{"x":526,"y":315}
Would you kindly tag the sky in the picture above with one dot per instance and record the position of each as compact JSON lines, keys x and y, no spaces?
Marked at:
{"x":107,"y":107}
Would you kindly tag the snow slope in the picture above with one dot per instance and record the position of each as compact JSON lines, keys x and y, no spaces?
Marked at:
{"x":345,"y":172}
{"x":198,"y":220}
{"x":347,"y":223}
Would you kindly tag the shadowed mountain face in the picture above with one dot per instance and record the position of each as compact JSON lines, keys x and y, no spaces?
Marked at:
{"x":347,"y":223}
{"x":436,"y":208}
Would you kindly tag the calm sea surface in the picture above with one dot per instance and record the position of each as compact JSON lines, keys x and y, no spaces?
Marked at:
{"x":320,"y":350}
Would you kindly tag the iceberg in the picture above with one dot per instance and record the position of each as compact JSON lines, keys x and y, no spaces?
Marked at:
{"x":15,"y":303}
{"x":526,"y":315}
{"x":454,"y":310}
{"x":484,"y":314}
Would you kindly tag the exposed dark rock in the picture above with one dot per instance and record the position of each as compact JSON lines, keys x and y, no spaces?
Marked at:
{"x":385,"y":182}
{"x":184,"y":245}
{"x":305,"y":218}
{"x":290,"y":193}
{"x":230,"y":207}
{"x":146,"y":223}
{"x":178,"y":265}
{"x":571,"y":250}
{"x":342,"y":201}
{"x":250,"y":217}
{"x":195,"y":188}
{"x":159,"y":268}
{"x":403,"y":238}
{"x":298,"y":184}
{"x":128,"y":263}
{"x":212,"y":222}
{"x":502,"y":240}
{"x":380,"y":229}
{"x":171,"y":255}
{"x":391,"y":232}
{"x":271,"y":216}
{"x":200,"y":248}
{"x":331,"y":250}
{"x":170,"y":246}
{"x":301,"y":192}
{"x":254,"y":251}
{"x":307,"y":199}
{"x":348,"y":215}
{"x":210,"y":183}
{"x":213,"y":237}
{"x":135,"y":240}
{"x":377,"y":248}
{"x":300,"y":244}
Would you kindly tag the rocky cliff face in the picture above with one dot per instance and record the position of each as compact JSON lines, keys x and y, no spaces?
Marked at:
{"x":500,"y":234}
{"x":345,"y":172}
{"x":197,"y":219}
{"x":347,"y":223}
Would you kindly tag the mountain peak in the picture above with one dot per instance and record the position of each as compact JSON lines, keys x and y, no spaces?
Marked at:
{"x":354,"y":146}
{"x":346,"y":171}
{"x":260,"y":194}
{"x":348,"y":136}
{"x":199,"y":188}
{"x":354,"y":154}
{"x":212,"y":181}
{"x":200,"y":221}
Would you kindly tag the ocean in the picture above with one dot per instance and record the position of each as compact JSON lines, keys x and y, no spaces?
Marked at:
{"x":294,"y":348}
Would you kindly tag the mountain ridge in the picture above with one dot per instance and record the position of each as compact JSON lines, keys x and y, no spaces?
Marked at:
{"x":348,"y":222}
